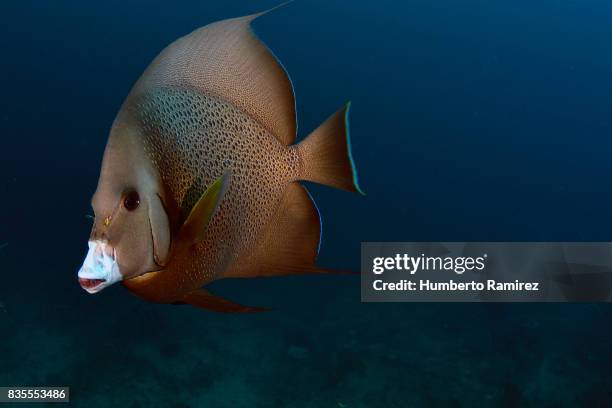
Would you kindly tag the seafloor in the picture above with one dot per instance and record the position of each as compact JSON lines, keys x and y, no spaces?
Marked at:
{"x":321,"y":349}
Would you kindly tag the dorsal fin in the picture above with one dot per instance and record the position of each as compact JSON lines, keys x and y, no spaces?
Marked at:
{"x":226,"y":60}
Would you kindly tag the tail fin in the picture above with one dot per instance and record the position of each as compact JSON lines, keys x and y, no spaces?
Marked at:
{"x":326,"y":154}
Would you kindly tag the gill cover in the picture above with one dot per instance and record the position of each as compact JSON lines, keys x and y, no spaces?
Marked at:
{"x":160,"y":230}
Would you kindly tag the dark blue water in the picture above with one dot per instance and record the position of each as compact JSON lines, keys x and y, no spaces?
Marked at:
{"x":471,"y":120}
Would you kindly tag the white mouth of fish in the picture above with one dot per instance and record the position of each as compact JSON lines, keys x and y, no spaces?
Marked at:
{"x":100,"y":268}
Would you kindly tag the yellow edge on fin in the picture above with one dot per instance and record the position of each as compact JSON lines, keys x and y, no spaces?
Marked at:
{"x":202,"y":212}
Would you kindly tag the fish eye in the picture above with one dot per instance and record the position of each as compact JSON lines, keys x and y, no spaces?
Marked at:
{"x":131,"y":201}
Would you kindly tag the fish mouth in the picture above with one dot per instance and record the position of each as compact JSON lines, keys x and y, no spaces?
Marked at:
{"x":100,"y":268}
{"x":90,"y":284}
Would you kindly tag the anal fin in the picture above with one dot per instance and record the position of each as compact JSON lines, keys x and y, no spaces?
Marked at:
{"x":206,"y":300}
{"x":290,"y":244}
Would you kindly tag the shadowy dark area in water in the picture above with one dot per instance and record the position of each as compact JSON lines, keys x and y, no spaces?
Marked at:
{"x":471,"y":120}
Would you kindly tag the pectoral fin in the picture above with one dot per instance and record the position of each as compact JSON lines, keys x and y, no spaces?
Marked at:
{"x":202,"y":212}
{"x":204,"y":299}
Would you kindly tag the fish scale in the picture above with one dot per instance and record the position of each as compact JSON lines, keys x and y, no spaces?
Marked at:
{"x":192,"y":139}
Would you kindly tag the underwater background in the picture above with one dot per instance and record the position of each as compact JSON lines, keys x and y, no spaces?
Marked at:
{"x":472,"y":120}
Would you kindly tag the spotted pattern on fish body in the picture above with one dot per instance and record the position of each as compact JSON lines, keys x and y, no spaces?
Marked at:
{"x":193,"y":139}
{"x":206,"y":140}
